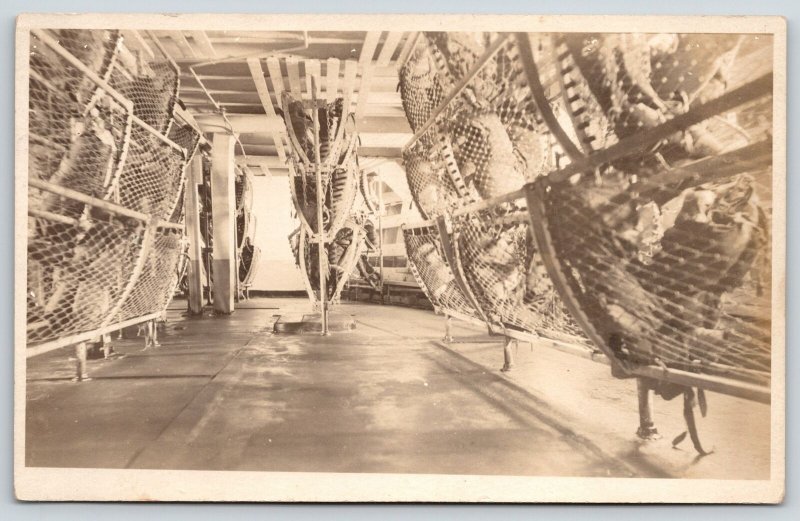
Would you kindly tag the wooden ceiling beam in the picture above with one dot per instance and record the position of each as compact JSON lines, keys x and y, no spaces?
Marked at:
{"x":389,"y":48}
{"x":136,"y":42}
{"x":266,"y":101}
{"x":365,"y":62}
{"x":204,"y":43}
{"x":183,"y":44}
{"x":331,"y":79}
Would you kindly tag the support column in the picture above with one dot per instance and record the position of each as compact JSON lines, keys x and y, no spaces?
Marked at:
{"x":223,"y":203}
{"x":194,"y":269}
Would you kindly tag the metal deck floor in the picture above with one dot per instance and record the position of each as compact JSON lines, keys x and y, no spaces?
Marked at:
{"x":224,"y":393}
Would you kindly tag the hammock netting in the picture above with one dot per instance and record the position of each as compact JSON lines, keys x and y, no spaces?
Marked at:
{"x":659,"y":252}
{"x":107,"y":163}
{"x":340,"y":181}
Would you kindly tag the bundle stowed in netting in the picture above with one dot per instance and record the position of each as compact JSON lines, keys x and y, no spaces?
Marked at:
{"x":666,"y":251}
{"x":78,"y":132}
{"x":421,"y":89}
{"x":159,"y":274}
{"x":433,"y":179}
{"x":504,"y":271}
{"x":152,"y":179}
{"x":486,"y":143}
{"x":338,"y":165}
{"x":662,"y":249}
{"x":153,"y":89}
{"x":434,"y":275}
{"x":339,"y":258}
{"x":106,"y":182}
{"x":249,"y":257}
{"x":78,"y":269}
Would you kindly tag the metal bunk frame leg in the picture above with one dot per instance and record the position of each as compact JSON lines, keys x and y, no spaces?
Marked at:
{"x":107,"y":348}
{"x":508,"y":354}
{"x":81,"y":352}
{"x":448,"y":329}
{"x":647,"y":428}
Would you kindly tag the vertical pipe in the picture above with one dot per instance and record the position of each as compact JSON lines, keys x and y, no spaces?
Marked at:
{"x":207,"y":196}
{"x":223,"y":194}
{"x":647,"y":427}
{"x":192,"y":216}
{"x":508,"y":354}
{"x":448,"y":328}
{"x":323,"y":297}
{"x":380,"y":231}
{"x":80,"y":362}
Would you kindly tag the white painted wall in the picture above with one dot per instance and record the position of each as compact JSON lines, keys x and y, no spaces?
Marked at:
{"x":272,"y":206}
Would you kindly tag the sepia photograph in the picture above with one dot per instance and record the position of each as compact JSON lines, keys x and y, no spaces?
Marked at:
{"x":400,"y":258}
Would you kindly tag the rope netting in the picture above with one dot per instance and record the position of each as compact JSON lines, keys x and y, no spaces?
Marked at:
{"x":485,"y":143}
{"x":249,"y":257}
{"x":77,"y":132}
{"x":78,"y":269}
{"x":647,"y":186}
{"x":159,"y":274}
{"x":670,"y":269}
{"x":339,"y":259}
{"x":430,"y":268}
{"x":103,"y":187}
{"x":338,"y":166}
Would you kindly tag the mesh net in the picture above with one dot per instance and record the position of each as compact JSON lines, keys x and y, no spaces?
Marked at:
{"x":669,"y":273}
{"x":432,"y":272}
{"x":338,"y":166}
{"x":77,"y":131}
{"x":505,"y":273}
{"x":664,"y":249}
{"x":159,"y":275}
{"x":95,"y":261}
{"x":152,"y":179}
{"x":153,"y":90}
{"x":78,"y":269}
{"x":248,"y":262}
{"x":486,"y":143}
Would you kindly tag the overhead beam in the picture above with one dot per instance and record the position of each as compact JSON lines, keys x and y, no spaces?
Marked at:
{"x":257,"y":160}
{"x":241,"y":124}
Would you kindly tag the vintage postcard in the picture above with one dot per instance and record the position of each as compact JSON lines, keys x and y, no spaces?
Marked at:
{"x":414,"y":258}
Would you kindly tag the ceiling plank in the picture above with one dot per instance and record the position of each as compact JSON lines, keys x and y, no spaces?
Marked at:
{"x":293,"y":68}
{"x":363,"y":93}
{"x":263,"y":93}
{"x":276,"y":77}
{"x":183,"y":44}
{"x":313,"y":69}
{"x":332,"y":79}
{"x":135,"y":42}
{"x":389,"y":47}
{"x":365,"y":61}
{"x":368,"y":49}
{"x":267,"y":161}
{"x":350,"y":71}
{"x":408,"y":46}
{"x":204,"y":43}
